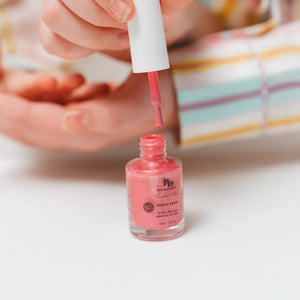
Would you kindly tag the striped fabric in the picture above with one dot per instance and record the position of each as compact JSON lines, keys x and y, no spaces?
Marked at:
{"x":240,"y":13}
{"x":239,"y":84}
{"x":21,"y":47}
{"x":234,"y":84}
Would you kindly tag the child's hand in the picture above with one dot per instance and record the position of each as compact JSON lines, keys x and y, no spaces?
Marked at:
{"x":101,"y":122}
{"x":78,"y":28}
{"x":42,"y":87}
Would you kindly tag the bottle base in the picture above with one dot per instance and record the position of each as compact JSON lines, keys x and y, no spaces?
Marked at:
{"x":157,"y":234}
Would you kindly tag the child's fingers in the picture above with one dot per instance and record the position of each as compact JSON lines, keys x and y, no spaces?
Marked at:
{"x":121,"y":10}
{"x":56,"y":45}
{"x":75,"y":30}
{"x":88,"y":91}
{"x":26,"y":114}
{"x":42,"y":87}
{"x":68,"y":83}
{"x":39,"y":125}
{"x":29,"y":85}
{"x":91,"y":12}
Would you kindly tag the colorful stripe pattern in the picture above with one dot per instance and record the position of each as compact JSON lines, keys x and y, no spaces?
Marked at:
{"x":240,"y":85}
{"x":239,"y":13}
{"x":20,"y":41}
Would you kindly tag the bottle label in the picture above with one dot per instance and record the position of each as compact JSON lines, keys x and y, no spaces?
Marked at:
{"x":156,"y":202}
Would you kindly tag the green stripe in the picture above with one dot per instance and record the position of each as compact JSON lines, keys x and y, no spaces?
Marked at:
{"x":284,"y":77}
{"x":284,"y":96}
{"x":221,"y":111}
{"x":217,"y":91}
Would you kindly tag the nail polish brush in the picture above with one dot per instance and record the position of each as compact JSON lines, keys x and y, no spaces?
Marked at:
{"x":148,"y":47}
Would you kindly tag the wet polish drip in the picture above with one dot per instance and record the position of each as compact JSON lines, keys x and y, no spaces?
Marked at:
{"x":155,"y":97}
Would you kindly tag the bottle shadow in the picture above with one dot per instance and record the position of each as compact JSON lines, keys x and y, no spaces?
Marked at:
{"x":193,"y":220}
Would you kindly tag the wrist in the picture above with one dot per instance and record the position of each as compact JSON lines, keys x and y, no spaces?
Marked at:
{"x":195,"y":22}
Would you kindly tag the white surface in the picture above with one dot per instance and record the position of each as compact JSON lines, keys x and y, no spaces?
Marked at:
{"x":64,"y":228}
{"x":147,"y":38}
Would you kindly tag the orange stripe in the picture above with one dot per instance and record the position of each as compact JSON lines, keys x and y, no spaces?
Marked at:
{"x":267,"y":27}
{"x":222,"y":135}
{"x":227,"y":9}
{"x":6,"y":34}
{"x":279,"y":51}
{"x":66,"y":66}
{"x":284,"y":122}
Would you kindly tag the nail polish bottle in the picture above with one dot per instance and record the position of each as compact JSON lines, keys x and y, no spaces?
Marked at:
{"x":155,"y":192}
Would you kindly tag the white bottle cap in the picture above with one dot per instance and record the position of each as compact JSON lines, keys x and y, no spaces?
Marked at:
{"x":148,"y":46}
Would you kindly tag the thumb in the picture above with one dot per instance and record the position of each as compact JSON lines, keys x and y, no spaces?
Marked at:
{"x":96,"y":115}
{"x":107,"y":115}
{"x":126,"y":108}
{"x":172,"y":6}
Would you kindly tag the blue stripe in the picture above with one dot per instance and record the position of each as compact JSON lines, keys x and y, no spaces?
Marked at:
{"x":284,"y":96}
{"x":217,"y":91}
{"x":221,"y":111}
{"x":290,"y":76}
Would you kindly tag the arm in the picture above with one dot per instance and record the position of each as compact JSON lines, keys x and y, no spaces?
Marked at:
{"x":238,"y":84}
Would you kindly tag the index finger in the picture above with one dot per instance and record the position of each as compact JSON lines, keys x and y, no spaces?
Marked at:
{"x":122,"y":10}
{"x":91,"y":12}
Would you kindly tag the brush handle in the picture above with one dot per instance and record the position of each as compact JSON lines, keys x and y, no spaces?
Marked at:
{"x":147,"y":38}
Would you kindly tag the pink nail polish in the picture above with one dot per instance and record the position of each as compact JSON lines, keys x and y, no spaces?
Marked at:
{"x":155,"y":192}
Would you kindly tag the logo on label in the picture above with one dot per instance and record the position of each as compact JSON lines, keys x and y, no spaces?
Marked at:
{"x":148,"y":207}
{"x":168,"y":183}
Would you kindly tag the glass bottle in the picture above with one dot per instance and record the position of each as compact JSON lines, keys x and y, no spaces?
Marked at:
{"x":155,"y":192}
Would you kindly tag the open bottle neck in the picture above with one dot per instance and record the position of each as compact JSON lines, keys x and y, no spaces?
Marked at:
{"x":153,"y":148}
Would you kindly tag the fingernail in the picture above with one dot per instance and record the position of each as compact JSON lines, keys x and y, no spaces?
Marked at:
{"x":76,"y":121}
{"x":122,"y":41}
{"x":119,"y":9}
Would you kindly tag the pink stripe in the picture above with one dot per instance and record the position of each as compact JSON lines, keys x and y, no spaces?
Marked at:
{"x":233,"y":98}
{"x":219,"y":101}
{"x":284,"y":86}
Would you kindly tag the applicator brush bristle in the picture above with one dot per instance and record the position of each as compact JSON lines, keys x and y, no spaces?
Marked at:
{"x":158,"y":117}
{"x":155,"y":98}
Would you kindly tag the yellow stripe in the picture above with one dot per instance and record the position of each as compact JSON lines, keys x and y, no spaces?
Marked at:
{"x":66,"y":66}
{"x":206,"y":64}
{"x":227,"y":9}
{"x":239,"y":131}
{"x":7,"y":34}
{"x":284,"y":122}
{"x":219,"y":60}
{"x":267,"y":27}
{"x":222,"y":135}
{"x":279,"y":51}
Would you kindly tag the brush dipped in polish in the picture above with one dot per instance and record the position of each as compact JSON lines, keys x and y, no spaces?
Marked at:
{"x":155,"y":98}
{"x":148,"y":47}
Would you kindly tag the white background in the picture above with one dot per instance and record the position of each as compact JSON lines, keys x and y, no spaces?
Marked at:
{"x":64,"y":229}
